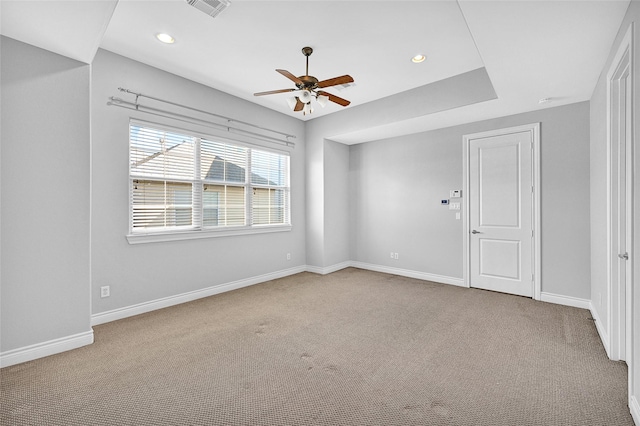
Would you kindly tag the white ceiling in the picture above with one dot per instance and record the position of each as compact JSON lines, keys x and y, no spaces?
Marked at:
{"x":530,"y":49}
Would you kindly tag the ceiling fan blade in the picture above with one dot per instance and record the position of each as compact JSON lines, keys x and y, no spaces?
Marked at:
{"x":291,"y":77}
{"x":334,"y":98}
{"x":271,"y":92}
{"x":344,"y":79}
{"x":299,"y":105}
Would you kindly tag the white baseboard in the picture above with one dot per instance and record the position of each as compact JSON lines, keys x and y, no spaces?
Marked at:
{"x":40,"y":350}
{"x":602,"y":332}
{"x":410,"y":274}
{"x":141,"y":308}
{"x":634,"y":407}
{"x":565,"y":300}
{"x":328,"y":269}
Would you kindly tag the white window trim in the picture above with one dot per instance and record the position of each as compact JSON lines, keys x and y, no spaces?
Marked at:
{"x":195,"y":233}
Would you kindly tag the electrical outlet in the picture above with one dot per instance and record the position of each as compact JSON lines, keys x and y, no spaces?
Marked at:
{"x":105,"y":291}
{"x":288,"y":256}
{"x":395,"y":256}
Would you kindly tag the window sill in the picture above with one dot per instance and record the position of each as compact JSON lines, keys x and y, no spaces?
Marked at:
{"x":158,"y":237}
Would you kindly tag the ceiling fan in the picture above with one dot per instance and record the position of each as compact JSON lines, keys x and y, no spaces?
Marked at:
{"x":308,"y":86}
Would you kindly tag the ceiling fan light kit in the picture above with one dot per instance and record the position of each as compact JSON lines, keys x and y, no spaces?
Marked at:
{"x":307,"y":109}
{"x":305,"y":96}
{"x":322,"y":100}
{"x":307,"y":87}
{"x":292,"y":102}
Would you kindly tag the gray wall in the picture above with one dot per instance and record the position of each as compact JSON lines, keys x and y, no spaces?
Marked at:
{"x":398,"y":184}
{"x":598,"y":208}
{"x":336,"y":197}
{"x":147,"y":272}
{"x":599,"y":291}
{"x":395,"y":202}
{"x":45,"y":196}
{"x":314,"y":196}
{"x":327,"y":244}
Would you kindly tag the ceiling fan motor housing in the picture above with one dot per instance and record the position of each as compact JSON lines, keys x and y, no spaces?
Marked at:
{"x":309,"y":82}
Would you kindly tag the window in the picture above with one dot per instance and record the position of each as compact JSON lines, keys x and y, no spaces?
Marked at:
{"x":182,"y":182}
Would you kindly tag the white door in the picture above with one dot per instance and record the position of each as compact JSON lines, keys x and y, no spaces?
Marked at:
{"x":500,"y":213}
{"x":621,"y":202}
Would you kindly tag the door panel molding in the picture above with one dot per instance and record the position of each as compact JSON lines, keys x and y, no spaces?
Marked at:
{"x":534,"y":130}
{"x":506,"y":248}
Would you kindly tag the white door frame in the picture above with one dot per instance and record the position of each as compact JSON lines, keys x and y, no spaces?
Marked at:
{"x":534,"y":128}
{"x":618,"y":295}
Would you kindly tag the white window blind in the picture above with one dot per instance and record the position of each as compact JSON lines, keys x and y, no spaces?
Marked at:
{"x":270,"y":181}
{"x":182,"y":182}
{"x":162,"y":170}
{"x":223,"y":169}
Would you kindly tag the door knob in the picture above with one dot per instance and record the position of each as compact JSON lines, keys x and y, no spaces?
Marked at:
{"x":476,"y":232}
{"x":624,"y":256}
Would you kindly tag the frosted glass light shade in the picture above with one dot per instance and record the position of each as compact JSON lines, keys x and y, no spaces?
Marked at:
{"x":305,"y":96}
{"x":322,"y":100}
{"x":292,"y":102}
{"x":307,"y":109}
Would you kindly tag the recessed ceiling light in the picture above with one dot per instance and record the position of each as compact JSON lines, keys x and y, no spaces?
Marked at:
{"x":418,"y":58}
{"x":165,"y":38}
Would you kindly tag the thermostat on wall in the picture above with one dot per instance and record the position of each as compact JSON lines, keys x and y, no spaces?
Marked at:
{"x":444,"y":202}
{"x":455,"y":193}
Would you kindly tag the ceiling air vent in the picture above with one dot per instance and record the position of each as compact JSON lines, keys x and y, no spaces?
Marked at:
{"x":210,"y":7}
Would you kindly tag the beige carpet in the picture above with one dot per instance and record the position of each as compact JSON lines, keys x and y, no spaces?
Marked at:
{"x":351,"y":348}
